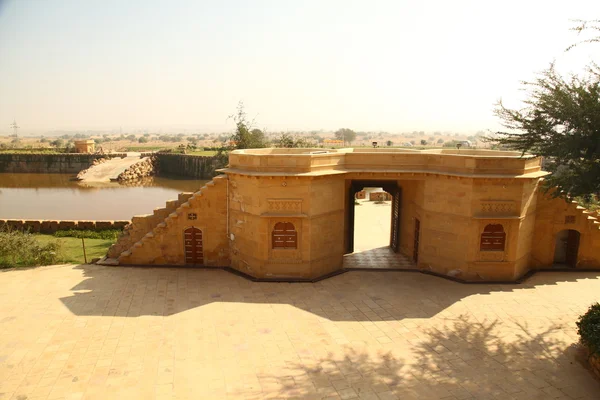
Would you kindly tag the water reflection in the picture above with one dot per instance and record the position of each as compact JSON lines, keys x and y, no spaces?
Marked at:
{"x":59,"y":196}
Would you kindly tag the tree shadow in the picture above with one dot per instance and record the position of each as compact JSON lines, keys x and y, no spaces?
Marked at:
{"x":352,"y":296}
{"x":459,"y":358}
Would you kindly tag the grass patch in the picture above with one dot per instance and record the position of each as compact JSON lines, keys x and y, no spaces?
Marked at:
{"x":71,"y":250}
{"x":206,"y":153}
{"x":31,"y":151}
{"x":143,"y":149}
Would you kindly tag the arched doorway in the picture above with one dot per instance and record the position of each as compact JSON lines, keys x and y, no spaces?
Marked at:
{"x":566,"y":247}
{"x":192,"y":239}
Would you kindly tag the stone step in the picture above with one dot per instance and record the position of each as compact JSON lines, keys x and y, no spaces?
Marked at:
{"x":108,"y":261}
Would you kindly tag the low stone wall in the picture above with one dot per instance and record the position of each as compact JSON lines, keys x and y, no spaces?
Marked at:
{"x":51,"y":226}
{"x":201,"y":167}
{"x":49,"y":163}
{"x":380,"y":196}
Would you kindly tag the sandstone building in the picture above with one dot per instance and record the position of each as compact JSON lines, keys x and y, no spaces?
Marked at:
{"x":288,"y":214}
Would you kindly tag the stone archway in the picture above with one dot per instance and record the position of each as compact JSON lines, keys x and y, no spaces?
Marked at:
{"x":566,"y":247}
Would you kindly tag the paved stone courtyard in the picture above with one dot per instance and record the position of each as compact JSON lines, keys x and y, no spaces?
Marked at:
{"x":93,"y":332}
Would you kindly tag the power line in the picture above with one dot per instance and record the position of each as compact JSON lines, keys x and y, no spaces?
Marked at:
{"x":14,"y":126}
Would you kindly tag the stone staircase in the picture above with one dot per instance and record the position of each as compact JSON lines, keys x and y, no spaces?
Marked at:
{"x":142,"y":224}
{"x":144,"y":227}
{"x":590,"y":216}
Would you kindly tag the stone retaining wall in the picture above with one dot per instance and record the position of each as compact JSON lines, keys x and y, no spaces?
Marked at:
{"x":51,"y":226}
{"x":201,"y":167}
{"x":49,"y":163}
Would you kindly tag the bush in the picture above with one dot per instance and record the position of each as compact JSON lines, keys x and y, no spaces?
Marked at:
{"x":21,"y":249}
{"x":588,"y":328}
{"x":108,"y":234}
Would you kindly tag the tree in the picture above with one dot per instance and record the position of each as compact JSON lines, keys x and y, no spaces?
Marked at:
{"x":423,"y":142}
{"x":243,"y":137}
{"x":288,"y":140}
{"x":57,"y":143}
{"x":345,"y":134}
{"x":389,"y":143}
{"x":440,"y":141}
{"x":582,"y":26}
{"x":561,"y":121}
{"x":143,"y":139}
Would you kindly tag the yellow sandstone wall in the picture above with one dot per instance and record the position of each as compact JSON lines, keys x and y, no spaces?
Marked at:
{"x":314,"y":205}
{"x":550,"y":219}
{"x":164,"y":244}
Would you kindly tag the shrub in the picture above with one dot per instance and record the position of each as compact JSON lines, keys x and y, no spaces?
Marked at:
{"x":588,"y":328}
{"x":21,"y":249}
{"x":108,"y":234}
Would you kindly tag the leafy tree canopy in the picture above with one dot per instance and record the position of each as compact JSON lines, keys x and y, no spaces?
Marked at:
{"x":560,"y":121}
{"x":244,"y":136}
{"x":345,"y":134}
{"x":289,"y":140}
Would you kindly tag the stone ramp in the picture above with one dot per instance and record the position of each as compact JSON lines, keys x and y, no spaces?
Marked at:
{"x":110,"y":169}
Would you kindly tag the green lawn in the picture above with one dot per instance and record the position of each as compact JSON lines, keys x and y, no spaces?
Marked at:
{"x":72,"y":251}
{"x":209,"y":153}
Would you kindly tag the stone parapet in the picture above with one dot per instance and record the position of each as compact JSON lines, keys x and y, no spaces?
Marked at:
{"x":480,"y":163}
{"x":49,"y":163}
{"x":51,"y":226}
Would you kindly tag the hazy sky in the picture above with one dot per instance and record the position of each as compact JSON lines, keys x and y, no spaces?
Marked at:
{"x":367,"y":65}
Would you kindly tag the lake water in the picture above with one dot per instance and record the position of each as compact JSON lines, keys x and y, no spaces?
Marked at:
{"x":58,"y":196}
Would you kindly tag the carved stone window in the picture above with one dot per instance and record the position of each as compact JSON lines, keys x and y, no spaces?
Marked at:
{"x":569,"y":219}
{"x":284,"y":236}
{"x":493,"y":238}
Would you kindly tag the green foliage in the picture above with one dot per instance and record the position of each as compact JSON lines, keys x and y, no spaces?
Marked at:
{"x":561,"y":121}
{"x":290,"y":141}
{"x":88,"y":234}
{"x":588,"y":328}
{"x":592,"y":203}
{"x":389,"y":143}
{"x":586,"y":26}
{"x":21,"y":249}
{"x":423,"y":142}
{"x":143,"y":139}
{"x":244,"y":136}
{"x":345,"y":134}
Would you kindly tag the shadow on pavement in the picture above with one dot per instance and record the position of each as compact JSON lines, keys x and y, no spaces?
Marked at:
{"x":353,"y":296}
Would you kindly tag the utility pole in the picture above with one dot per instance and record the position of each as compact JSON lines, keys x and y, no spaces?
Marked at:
{"x":14,"y":127}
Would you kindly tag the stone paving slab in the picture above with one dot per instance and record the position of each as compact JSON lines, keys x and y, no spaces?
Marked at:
{"x":94,"y":332}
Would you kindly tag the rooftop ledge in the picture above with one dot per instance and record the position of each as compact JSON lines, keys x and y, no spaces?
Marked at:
{"x":366,"y":150}
{"x":318,"y":161}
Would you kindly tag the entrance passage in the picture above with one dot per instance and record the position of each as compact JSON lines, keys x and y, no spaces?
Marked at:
{"x":373,"y":226}
{"x":566,"y":247}
{"x":192,"y":238}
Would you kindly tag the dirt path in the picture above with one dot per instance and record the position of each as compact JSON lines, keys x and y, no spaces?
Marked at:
{"x":110,"y":169}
